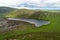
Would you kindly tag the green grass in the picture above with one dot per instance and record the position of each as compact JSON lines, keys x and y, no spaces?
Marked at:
{"x":53,"y":17}
{"x":38,"y":36}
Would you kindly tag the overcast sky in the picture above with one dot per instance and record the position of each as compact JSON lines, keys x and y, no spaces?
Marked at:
{"x":31,"y":3}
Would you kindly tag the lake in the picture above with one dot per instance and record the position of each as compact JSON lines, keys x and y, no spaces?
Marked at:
{"x":37,"y":23}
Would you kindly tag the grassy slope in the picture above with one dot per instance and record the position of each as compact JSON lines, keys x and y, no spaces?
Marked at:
{"x":38,"y":36}
{"x":53,"y":17}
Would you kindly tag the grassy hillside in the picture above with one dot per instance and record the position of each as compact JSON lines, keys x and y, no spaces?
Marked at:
{"x":38,"y":36}
{"x":51,"y":31}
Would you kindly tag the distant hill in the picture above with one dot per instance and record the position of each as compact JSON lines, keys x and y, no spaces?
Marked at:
{"x":5,"y":10}
{"x":22,"y":13}
{"x":28,"y":13}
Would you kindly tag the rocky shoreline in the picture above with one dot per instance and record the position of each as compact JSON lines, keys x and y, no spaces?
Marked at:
{"x":11,"y":25}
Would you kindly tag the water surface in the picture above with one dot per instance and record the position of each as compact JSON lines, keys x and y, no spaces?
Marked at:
{"x":37,"y":23}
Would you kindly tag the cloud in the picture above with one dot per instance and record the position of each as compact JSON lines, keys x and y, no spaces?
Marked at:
{"x":11,"y":2}
{"x":31,"y":3}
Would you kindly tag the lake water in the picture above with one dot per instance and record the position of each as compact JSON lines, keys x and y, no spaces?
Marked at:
{"x":37,"y":23}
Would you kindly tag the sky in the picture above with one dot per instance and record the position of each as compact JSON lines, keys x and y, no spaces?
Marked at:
{"x":33,"y":4}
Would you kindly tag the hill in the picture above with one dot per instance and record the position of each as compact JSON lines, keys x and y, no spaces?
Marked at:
{"x":5,"y":10}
